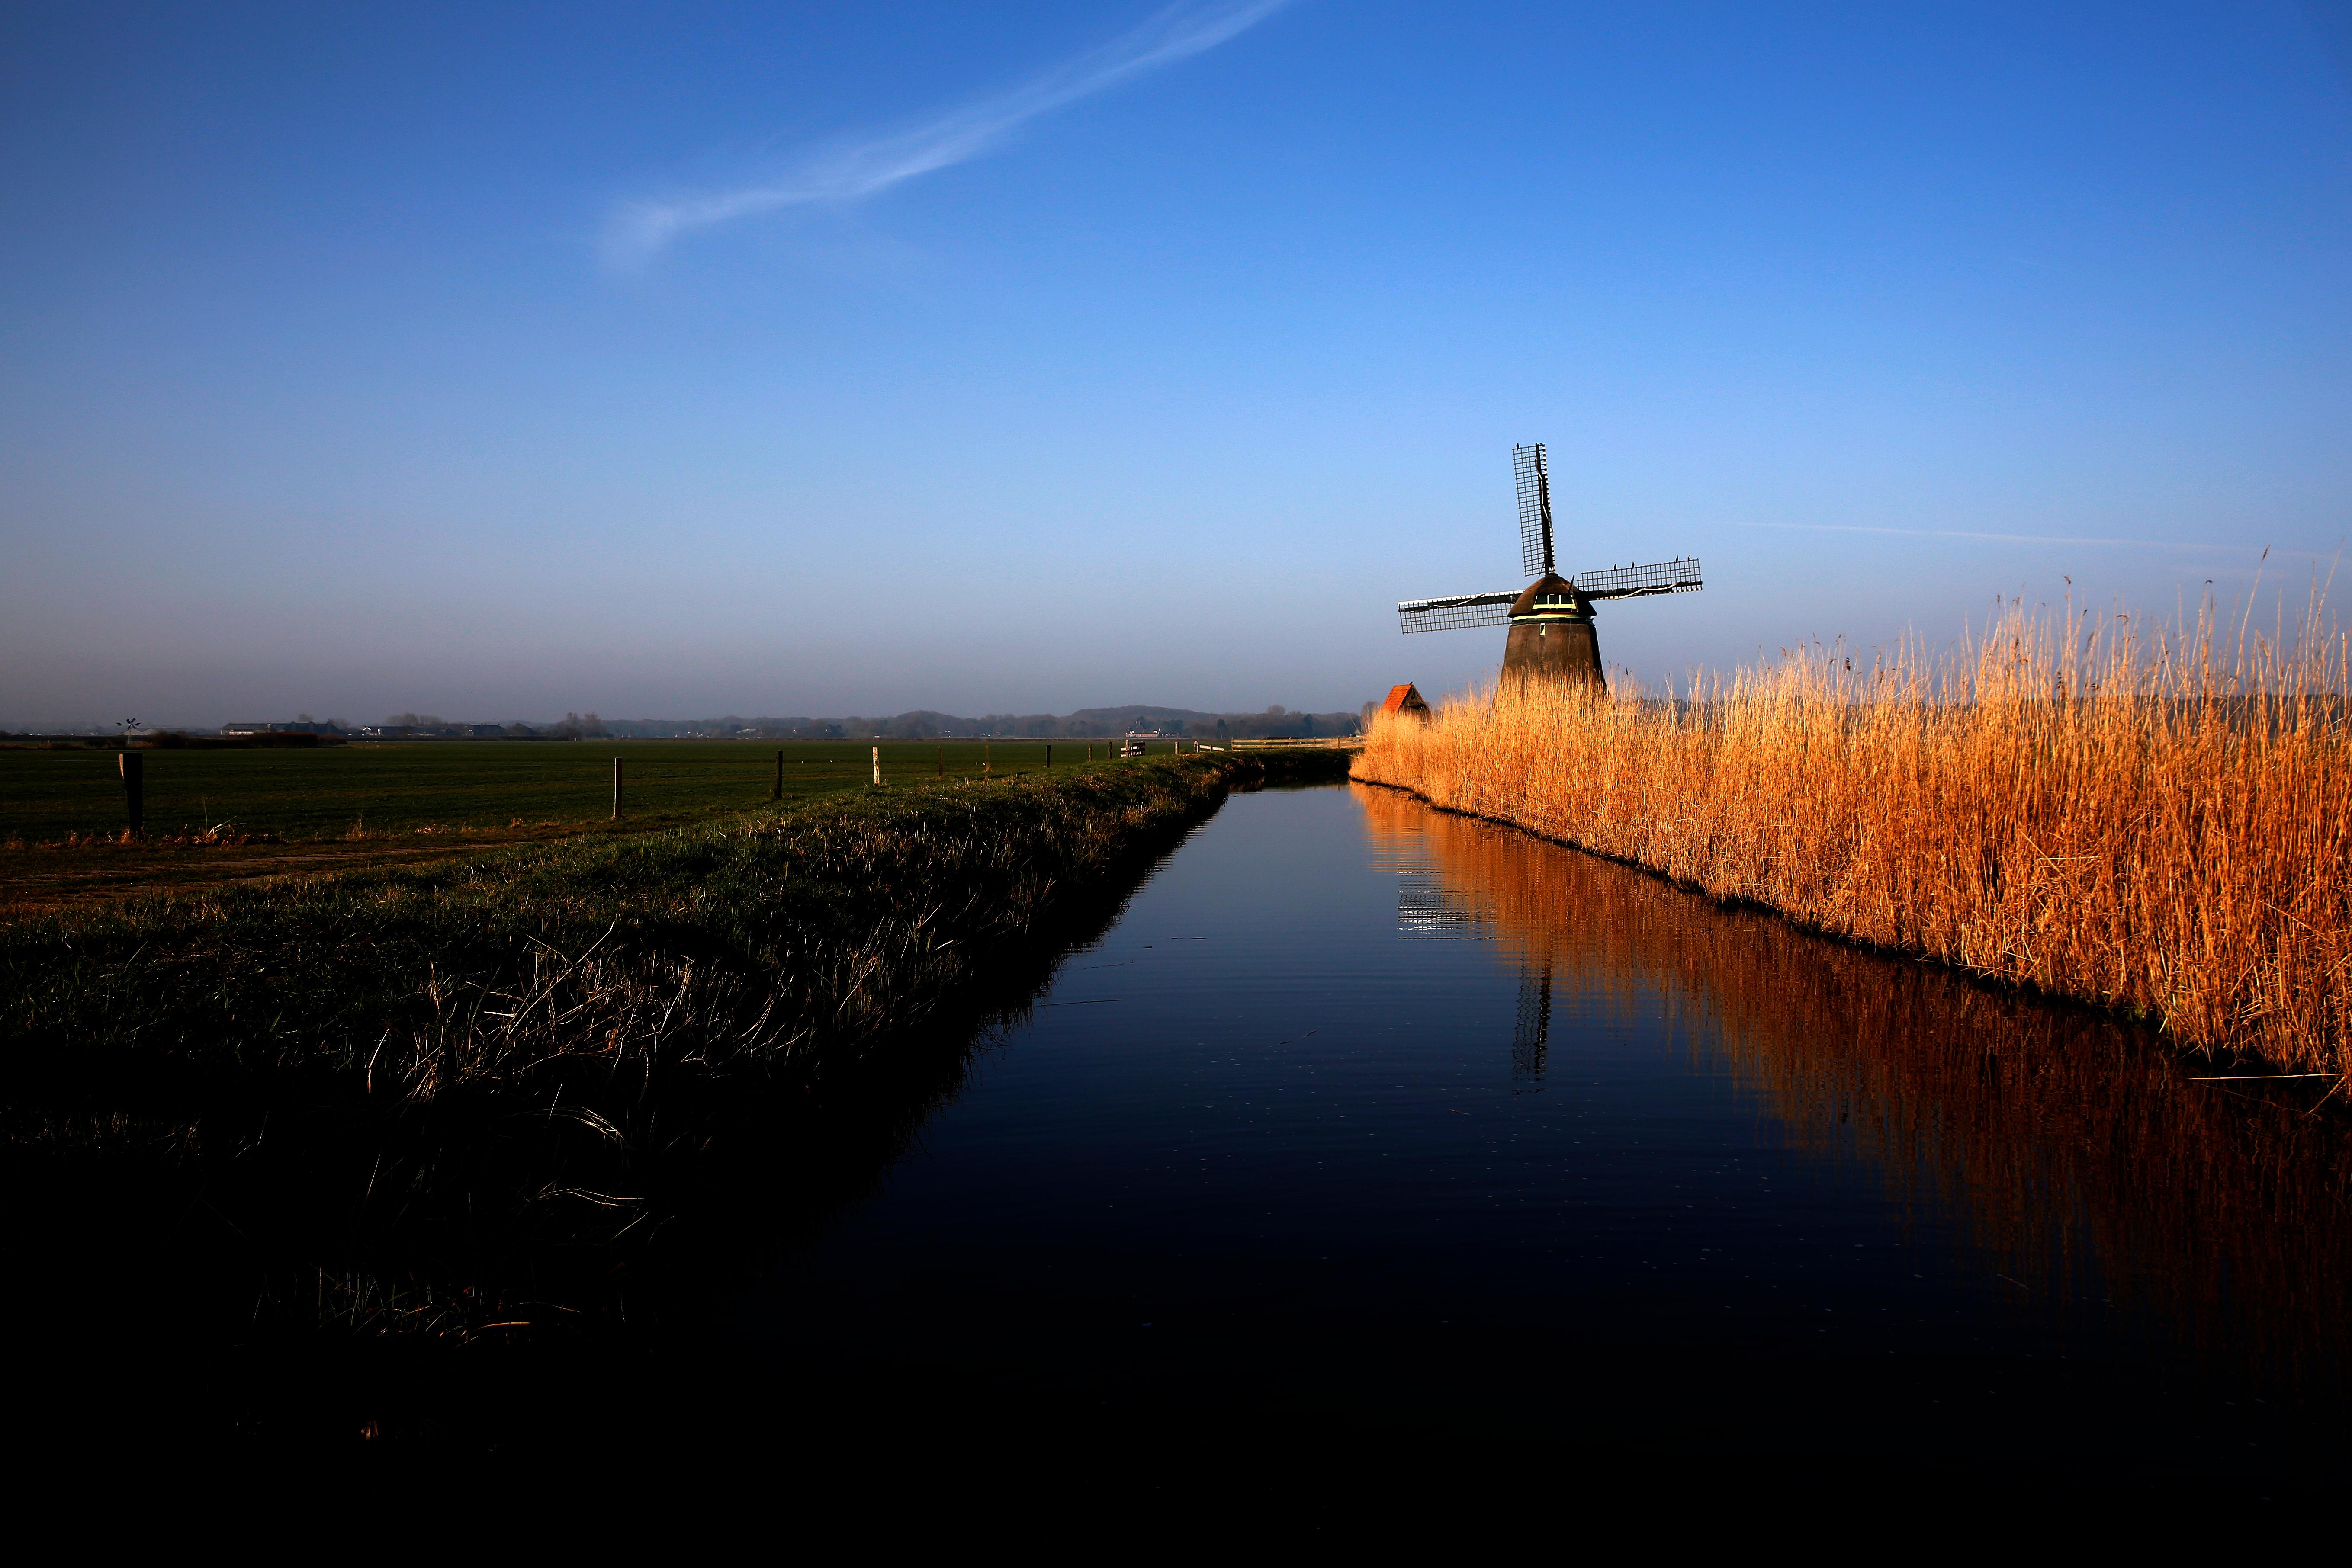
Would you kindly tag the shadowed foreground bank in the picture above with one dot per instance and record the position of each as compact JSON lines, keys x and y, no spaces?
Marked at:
{"x":276,"y":1144}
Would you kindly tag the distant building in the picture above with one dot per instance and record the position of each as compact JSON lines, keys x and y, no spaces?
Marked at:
{"x":1406,"y":699}
{"x":431,"y":732}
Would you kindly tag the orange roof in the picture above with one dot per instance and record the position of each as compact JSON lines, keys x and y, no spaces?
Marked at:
{"x":1404,"y":699}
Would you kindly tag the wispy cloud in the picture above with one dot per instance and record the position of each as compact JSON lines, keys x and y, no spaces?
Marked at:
{"x":2005,"y":538}
{"x":636,"y":231}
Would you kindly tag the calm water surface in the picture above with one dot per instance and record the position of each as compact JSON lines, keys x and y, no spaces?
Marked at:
{"x":1365,"y":1118}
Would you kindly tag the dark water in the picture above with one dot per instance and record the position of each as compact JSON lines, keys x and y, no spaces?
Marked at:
{"x":1367,"y":1123}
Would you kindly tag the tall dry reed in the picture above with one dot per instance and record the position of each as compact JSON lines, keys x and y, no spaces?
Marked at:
{"x":2089,"y":1171}
{"x":2153,"y":820}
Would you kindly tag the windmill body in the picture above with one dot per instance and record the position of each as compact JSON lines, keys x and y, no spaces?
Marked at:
{"x":1552,"y":636}
{"x":1551,"y":633}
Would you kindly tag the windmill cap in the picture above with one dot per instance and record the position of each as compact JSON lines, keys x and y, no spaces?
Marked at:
{"x":1551,"y":596}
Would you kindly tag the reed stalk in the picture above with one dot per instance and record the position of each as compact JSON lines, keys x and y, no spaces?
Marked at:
{"x":2153,"y":819}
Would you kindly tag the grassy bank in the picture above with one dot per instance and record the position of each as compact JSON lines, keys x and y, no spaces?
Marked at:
{"x":223,"y":816}
{"x":2161,"y":824}
{"x":483,"y":1092}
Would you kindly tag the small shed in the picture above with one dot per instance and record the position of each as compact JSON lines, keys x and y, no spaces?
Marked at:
{"x":1406,"y":699}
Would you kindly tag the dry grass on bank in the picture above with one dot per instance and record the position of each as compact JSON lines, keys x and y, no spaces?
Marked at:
{"x":2159,"y":821}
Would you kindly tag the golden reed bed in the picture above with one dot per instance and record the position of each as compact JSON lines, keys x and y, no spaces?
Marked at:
{"x":2158,"y":822}
{"x":2084,"y":1168}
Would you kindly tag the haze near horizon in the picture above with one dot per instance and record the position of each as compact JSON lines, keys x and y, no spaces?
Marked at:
{"x":499,"y":361}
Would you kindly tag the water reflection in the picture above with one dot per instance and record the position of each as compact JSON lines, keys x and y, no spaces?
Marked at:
{"x":1429,"y":906}
{"x":2081,"y":1159}
{"x":332,"y":1260}
{"x":1531,"y":1033}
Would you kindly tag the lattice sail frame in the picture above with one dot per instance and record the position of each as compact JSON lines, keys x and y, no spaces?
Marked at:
{"x":1455,"y":614}
{"x":1677,"y":576}
{"x":1467,"y":610}
{"x":1534,"y":479}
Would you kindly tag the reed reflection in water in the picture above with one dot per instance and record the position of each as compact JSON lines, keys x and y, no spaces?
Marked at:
{"x":2084,"y":1159}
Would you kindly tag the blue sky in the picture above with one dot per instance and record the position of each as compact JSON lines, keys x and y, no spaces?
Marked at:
{"x":497,"y":360}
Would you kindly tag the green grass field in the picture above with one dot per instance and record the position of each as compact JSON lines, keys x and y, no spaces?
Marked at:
{"x":297,"y":795}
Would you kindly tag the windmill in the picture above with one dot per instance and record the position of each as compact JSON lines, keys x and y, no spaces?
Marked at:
{"x":1552,"y":618}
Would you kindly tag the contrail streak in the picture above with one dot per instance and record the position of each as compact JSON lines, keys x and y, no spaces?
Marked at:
{"x":636,"y":231}
{"x":2005,"y":538}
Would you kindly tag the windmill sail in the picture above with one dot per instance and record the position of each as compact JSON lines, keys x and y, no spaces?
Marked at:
{"x":1678,"y":576}
{"x":1535,"y":508}
{"x":1455,"y":613}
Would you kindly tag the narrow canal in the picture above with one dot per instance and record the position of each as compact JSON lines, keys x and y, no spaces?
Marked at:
{"x":1366,"y":1118}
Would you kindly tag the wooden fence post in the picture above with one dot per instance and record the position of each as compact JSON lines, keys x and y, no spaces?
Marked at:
{"x":1049,"y":759}
{"x":943,"y":761}
{"x":877,"y":766}
{"x":616,"y":788}
{"x":134,"y":788}
{"x":779,"y":793}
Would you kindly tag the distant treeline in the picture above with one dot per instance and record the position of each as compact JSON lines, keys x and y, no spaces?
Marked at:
{"x":925,"y":725}
{"x":166,"y":739}
{"x":1275,"y":722}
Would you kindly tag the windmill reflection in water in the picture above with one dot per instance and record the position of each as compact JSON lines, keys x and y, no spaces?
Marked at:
{"x":2082,"y":1157}
{"x":1429,"y":908}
